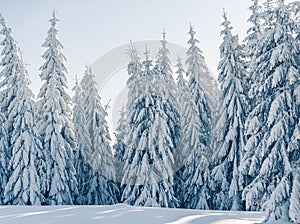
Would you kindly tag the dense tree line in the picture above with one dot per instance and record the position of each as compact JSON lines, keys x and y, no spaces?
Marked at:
{"x":171,"y":149}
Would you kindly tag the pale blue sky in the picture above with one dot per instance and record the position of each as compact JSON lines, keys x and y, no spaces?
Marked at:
{"x":89,"y":28}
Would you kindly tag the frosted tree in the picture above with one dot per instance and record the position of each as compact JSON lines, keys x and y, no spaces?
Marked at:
{"x":148,"y":169}
{"x":20,"y":175}
{"x":195,"y":129}
{"x":196,"y":71}
{"x":103,"y":189}
{"x":169,"y":99}
{"x":8,"y":63}
{"x":192,"y":178}
{"x":255,"y":31}
{"x":229,"y":131}
{"x":26,"y":163}
{"x":134,"y":70}
{"x":84,"y":151}
{"x":59,"y":185}
{"x":120,"y":146}
{"x":183,"y":94}
{"x":267,"y":165}
{"x":253,"y":36}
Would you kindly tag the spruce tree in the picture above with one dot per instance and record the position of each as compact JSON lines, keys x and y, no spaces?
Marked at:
{"x":255,"y":31}
{"x":26,"y":163}
{"x":20,"y":182}
{"x":183,"y":94}
{"x":55,"y":128}
{"x":84,"y":151}
{"x":120,"y":145}
{"x":170,"y":103}
{"x":10,"y":63}
{"x":148,"y":169}
{"x":229,"y":131}
{"x":267,"y":165}
{"x":103,"y":189}
{"x":9,"y":55}
{"x":196,"y":71}
{"x":193,"y":193}
{"x":195,"y":131}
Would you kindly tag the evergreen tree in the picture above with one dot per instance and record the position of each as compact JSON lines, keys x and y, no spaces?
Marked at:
{"x":252,"y":39}
{"x":134,"y":69}
{"x":10,"y":63}
{"x":183,"y":94}
{"x":59,"y":185}
{"x":267,"y":164}
{"x":255,"y":31}
{"x":23,"y":186}
{"x":196,"y":71}
{"x":229,"y":130}
{"x":148,"y":173}
{"x":9,"y":54}
{"x":170,"y":103}
{"x":195,"y":120}
{"x":193,"y":193}
{"x":20,"y":176}
{"x":120,"y":146}
{"x":103,"y":189}
{"x":83,"y":147}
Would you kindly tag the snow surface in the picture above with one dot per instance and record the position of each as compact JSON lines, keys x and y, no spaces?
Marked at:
{"x":121,"y":213}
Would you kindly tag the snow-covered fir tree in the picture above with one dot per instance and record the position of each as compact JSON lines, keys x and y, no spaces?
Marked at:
{"x":255,"y":31}
{"x":169,"y":98}
{"x":59,"y":185}
{"x":193,"y":193}
{"x":103,"y":189}
{"x":148,"y":169}
{"x":229,"y":139}
{"x":26,"y":163}
{"x":134,"y":69}
{"x":10,"y":67}
{"x":120,"y":146}
{"x":9,"y":53}
{"x":195,"y":129}
{"x":82,"y":160}
{"x":253,"y":36}
{"x":269,"y":164}
{"x":23,"y":169}
{"x":196,"y":71}
{"x":183,"y":94}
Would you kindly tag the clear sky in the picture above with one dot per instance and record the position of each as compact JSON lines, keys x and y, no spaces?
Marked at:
{"x":89,"y":28}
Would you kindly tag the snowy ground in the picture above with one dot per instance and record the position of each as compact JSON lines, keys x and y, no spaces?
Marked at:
{"x":121,"y":213}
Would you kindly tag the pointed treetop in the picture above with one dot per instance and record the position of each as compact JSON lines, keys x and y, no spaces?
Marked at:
{"x":226,"y":24}
{"x":191,"y":31}
{"x":164,"y":34}
{"x":76,"y":80}
{"x":2,"y":20}
{"x":54,"y":19}
{"x":147,"y":52}
{"x":132,"y":52}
